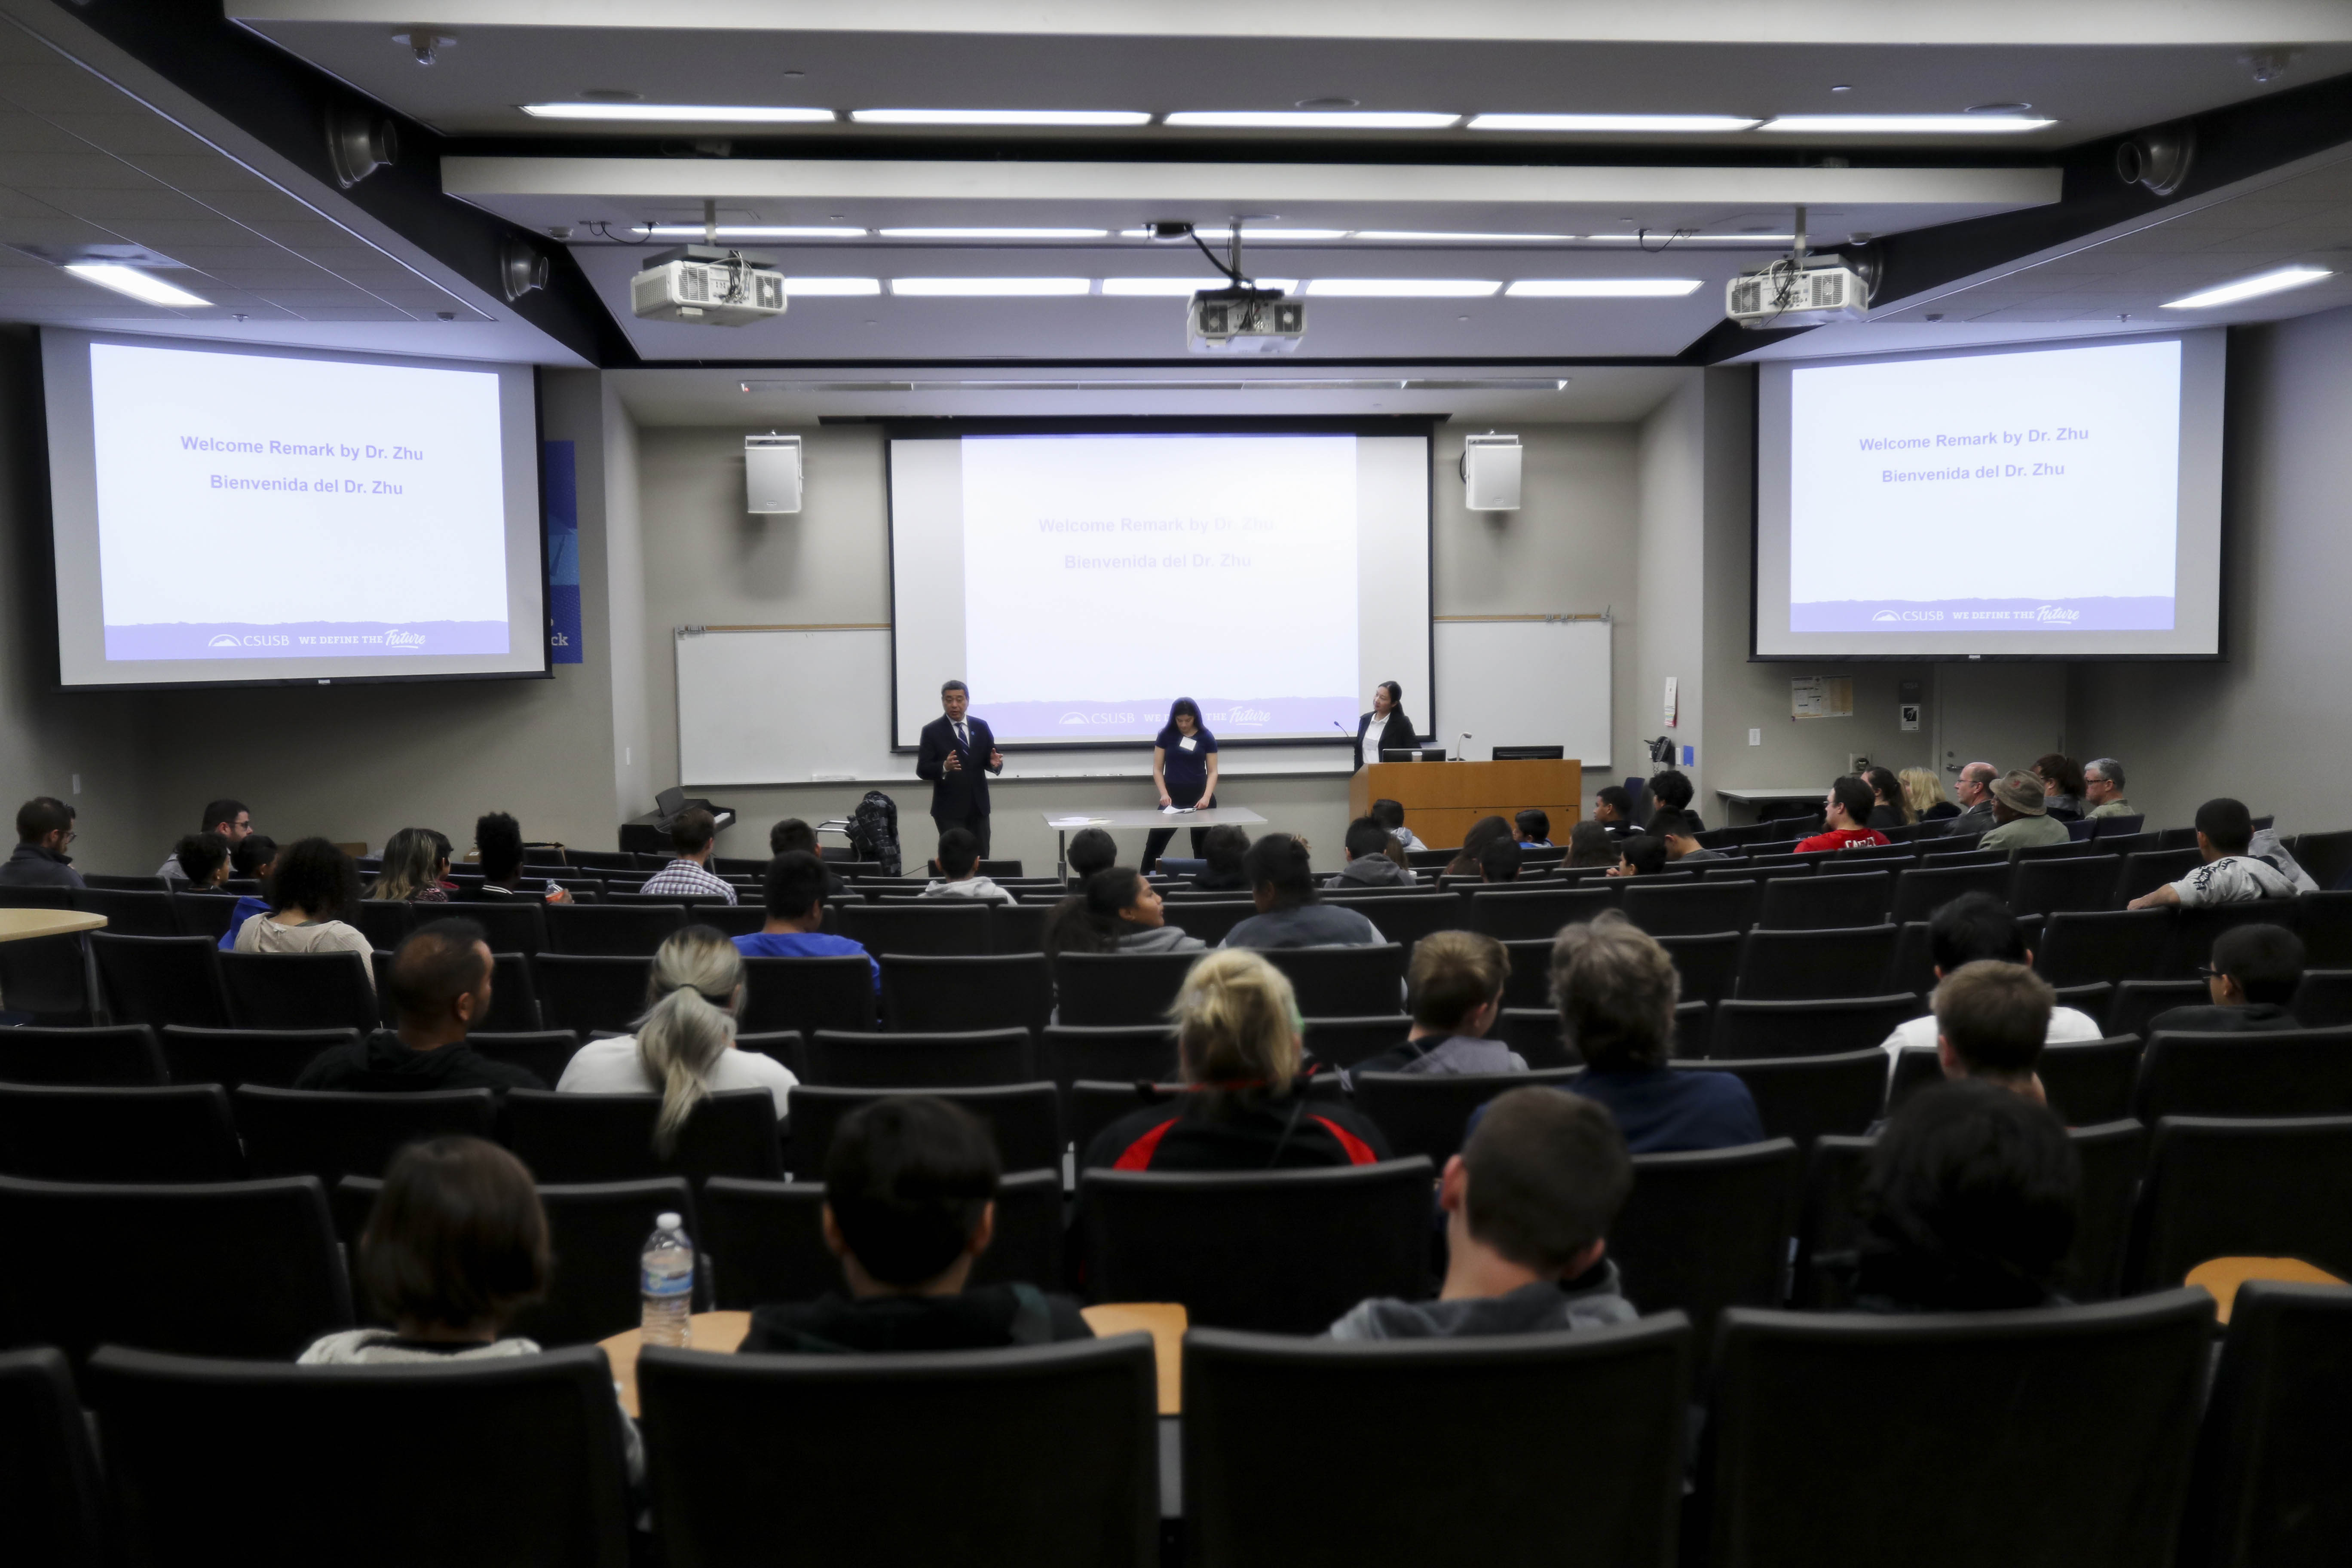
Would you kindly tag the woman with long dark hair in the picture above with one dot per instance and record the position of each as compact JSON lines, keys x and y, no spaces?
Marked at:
{"x":1185,"y":772}
{"x":1118,"y":913}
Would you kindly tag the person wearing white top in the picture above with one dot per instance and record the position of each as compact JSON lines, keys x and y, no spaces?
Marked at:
{"x":313,"y":884}
{"x":2225,"y":830}
{"x":1971,"y":928}
{"x":684,"y":1047}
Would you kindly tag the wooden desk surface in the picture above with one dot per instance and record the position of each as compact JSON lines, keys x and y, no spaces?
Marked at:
{"x":22,"y":925}
{"x":2223,"y":1275}
{"x":722,"y":1332}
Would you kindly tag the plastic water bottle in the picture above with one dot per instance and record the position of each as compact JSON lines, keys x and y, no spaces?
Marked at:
{"x":666,"y":1279}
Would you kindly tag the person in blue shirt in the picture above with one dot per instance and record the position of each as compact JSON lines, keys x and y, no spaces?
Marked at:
{"x":793,"y":891}
{"x":1617,"y":989}
{"x":251,"y":856}
{"x":1184,"y":771}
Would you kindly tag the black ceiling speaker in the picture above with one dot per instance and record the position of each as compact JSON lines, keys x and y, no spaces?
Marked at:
{"x":521,"y":270}
{"x":358,"y":145}
{"x":2159,"y":159}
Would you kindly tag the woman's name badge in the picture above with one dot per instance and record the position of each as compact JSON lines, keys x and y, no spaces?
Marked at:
{"x":1189,"y":744}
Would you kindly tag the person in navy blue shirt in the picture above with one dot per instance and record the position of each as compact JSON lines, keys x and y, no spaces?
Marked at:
{"x":1617,"y":989}
{"x":1184,"y":771}
{"x":793,"y":891}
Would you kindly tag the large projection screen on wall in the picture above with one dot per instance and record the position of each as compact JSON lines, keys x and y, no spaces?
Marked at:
{"x":2054,"y":501}
{"x":222,"y":514}
{"x":1080,"y":582}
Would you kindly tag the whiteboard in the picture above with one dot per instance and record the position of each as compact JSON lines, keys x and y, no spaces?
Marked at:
{"x":1523,"y":683}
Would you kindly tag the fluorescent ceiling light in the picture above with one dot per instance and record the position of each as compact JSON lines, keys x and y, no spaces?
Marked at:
{"x":696,"y":113}
{"x":136,"y":282}
{"x":1427,"y":234}
{"x":749,"y":231}
{"x":1897,"y":124}
{"x":1312,"y":119}
{"x":1662,"y":238}
{"x":1602,"y":288}
{"x":812,"y":287}
{"x":1000,"y":117}
{"x":952,"y":288}
{"x":1401,"y":288}
{"x":1186,"y":287}
{"x":1254,"y":236}
{"x":1701,"y":123}
{"x":2254,"y":288}
{"x":992,"y":233}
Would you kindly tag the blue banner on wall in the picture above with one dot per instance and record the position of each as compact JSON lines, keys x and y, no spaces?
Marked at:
{"x":562,"y":490}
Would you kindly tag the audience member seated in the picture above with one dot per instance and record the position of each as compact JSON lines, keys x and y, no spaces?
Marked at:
{"x":1118,"y":911}
{"x":439,"y":980}
{"x":226,"y":817}
{"x":2102,"y":788}
{"x":1972,"y":929}
{"x":1369,"y":863}
{"x":455,"y":1246}
{"x":410,"y":870}
{"x":909,"y":1203}
{"x":692,"y":838}
{"x":2252,"y":977}
{"x":1617,"y":989}
{"x":2230,"y":875}
{"x":1535,"y":828}
{"x":44,"y":825}
{"x":497,"y":846}
{"x":1500,"y":860}
{"x":1640,"y":855}
{"x":1527,"y":1203}
{"x":1845,"y":813}
{"x":1923,"y":794}
{"x":1091,"y":850}
{"x":253,"y":856}
{"x":791,"y":836}
{"x":684,"y":1047}
{"x":1590,"y":844}
{"x":1483,"y":832}
{"x":1221,"y":851}
{"x":1391,"y":814}
{"x":1973,"y":788}
{"x":1671,"y":791}
{"x":203,"y":862}
{"x":959,"y":875}
{"x":311,"y":890}
{"x":2021,"y":815}
{"x":1282,"y":883}
{"x":1678,"y":832}
{"x":1991,"y":1020}
{"x":793,"y":892}
{"x":1888,"y":808}
{"x":1243,"y":1109}
{"x":1456,"y":990}
{"x":1971,"y":1200}
{"x":442,"y":853}
{"x":1614,"y":809}
{"x":2061,"y":785}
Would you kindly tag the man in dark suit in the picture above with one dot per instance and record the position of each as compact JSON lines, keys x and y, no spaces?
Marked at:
{"x":957,"y":755}
{"x":1385,"y":725}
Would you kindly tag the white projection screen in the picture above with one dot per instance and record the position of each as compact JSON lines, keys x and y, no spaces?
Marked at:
{"x":1080,"y":582}
{"x":227,"y":515}
{"x":2060,"y":501}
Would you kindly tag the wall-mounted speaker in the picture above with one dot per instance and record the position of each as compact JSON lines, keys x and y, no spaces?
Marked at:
{"x":772,"y":474}
{"x":1490,"y":472}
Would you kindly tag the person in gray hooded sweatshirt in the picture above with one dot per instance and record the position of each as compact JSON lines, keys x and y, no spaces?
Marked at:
{"x":1368,"y":862}
{"x":1454,"y":990}
{"x":1118,"y":913}
{"x":1527,"y":1204}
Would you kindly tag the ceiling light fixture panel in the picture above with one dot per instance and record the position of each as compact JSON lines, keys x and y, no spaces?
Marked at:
{"x":1401,"y":288}
{"x":747,"y":231}
{"x":815,"y":288}
{"x":2277,"y":281}
{"x":1602,"y":288}
{"x":1311,"y":119}
{"x":136,"y":282}
{"x":1431,"y":237}
{"x":1184,"y":287}
{"x":682,"y":113}
{"x":988,"y":288}
{"x":992,"y":233}
{"x":1095,"y":117}
{"x":1649,"y":124}
{"x":1905,"y":124}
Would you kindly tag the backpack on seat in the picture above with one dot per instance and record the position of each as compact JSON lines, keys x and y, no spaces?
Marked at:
{"x":874,"y":831}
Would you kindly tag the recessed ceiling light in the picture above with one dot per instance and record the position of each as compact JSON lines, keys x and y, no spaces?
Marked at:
{"x":999,"y":117}
{"x":1999,"y":107}
{"x":977,"y":288}
{"x":682,"y":113}
{"x":1401,"y":288}
{"x":136,"y":282}
{"x":1327,"y":103}
{"x":1311,"y":119}
{"x":1842,"y":87}
{"x":1254,"y":236}
{"x":814,"y":287}
{"x":1659,"y":238}
{"x":1905,"y":124}
{"x":1163,"y":288}
{"x":992,"y":233}
{"x":1654,"y":123}
{"x":1602,"y":288}
{"x":2254,"y":288}
{"x":750,"y":231}
{"x":1434,"y":236}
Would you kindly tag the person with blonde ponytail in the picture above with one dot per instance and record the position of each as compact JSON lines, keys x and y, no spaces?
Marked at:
{"x":685,"y":1044}
{"x":1244,"y":1106}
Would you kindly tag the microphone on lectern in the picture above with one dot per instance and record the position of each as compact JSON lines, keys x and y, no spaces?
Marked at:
{"x":1462,"y":753}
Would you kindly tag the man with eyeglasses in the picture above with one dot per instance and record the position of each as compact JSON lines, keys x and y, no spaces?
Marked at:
{"x":226,"y":817}
{"x":44,"y":825}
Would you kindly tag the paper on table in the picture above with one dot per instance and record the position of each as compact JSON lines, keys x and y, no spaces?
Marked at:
{"x":1176,"y":810}
{"x":1075,"y":821}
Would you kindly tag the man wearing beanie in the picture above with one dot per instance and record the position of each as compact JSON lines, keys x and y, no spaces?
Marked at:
{"x":2020,"y":818}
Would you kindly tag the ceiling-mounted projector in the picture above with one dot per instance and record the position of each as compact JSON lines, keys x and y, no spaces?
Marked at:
{"x":1812,"y":294}
{"x":1241,"y":320}
{"x":706,"y":285}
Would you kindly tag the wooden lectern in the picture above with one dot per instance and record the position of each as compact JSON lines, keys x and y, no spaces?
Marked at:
{"x":1441,"y":800}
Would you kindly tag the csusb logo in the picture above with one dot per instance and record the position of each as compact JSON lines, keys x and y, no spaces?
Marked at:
{"x":1075,"y":716}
